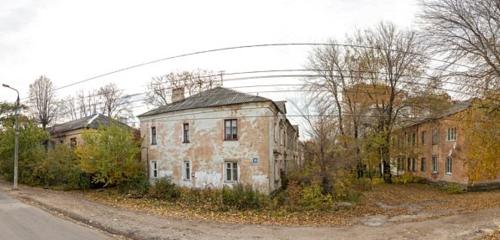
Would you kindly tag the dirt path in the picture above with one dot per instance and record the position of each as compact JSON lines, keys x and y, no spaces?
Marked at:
{"x":138,"y":225}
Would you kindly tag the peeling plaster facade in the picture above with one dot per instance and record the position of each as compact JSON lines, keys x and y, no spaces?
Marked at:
{"x":264,"y":148}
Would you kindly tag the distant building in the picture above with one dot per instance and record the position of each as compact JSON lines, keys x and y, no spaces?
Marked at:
{"x":220,"y":137}
{"x":70,"y":133}
{"x":434,"y":148}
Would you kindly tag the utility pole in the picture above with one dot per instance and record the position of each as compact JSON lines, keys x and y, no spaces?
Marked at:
{"x":16,"y":144}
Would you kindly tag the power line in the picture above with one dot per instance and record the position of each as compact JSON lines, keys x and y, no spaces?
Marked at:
{"x":235,"y":48}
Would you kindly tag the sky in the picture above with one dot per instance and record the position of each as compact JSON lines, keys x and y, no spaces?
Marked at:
{"x":68,"y":41}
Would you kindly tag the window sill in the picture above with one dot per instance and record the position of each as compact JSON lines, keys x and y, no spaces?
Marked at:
{"x":230,"y":140}
{"x":448,"y":173}
{"x":186,"y":180}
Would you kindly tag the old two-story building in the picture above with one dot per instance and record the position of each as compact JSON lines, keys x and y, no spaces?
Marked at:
{"x":219,"y":137}
{"x":434,"y":148}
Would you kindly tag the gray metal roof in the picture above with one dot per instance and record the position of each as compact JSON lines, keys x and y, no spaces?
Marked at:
{"x":215,"y":97}
{"x":93,"y":121}
{"x":455,"y":108}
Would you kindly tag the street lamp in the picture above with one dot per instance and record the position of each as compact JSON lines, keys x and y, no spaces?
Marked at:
{"x":16,"y":147}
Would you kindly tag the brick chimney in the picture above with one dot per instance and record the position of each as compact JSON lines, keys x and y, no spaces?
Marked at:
{"x":177,"y":94}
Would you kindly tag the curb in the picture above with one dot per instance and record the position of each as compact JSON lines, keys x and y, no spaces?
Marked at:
{"x":81,"y":219}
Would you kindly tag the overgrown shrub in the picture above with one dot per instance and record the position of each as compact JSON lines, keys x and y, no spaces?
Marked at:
{"x":136,"y":186}
{"x":408,"y":178}
{"x":313,"y":199}
{"x":31,"y":150}
{"x":242,"y":197}
{"x":164,"y":189}
{"x":453,"y":188}
{"x":59,"y":169}
{"x":111,"y":156}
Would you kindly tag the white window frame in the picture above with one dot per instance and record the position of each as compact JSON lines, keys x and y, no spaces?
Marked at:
{"x":451,"y":135}
{"x":234,"y":177}
{"x":154,"y":169}
{"x":435,"y":164}
{"x":186,"y":170}
{"x":449,"y":165}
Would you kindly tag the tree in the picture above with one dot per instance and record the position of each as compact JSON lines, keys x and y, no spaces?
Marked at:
{"x":31,"y":150}
{"x":87,"y":104}
{"x":481,"y":128}
{"x":113,"y":101}
{"x":466,"y":32}
{"x":68,"y":108}
{"x":159,"y":90}
{"x":111,"y":155}
{"x":393,"y":61}
{"x":43,"y":102}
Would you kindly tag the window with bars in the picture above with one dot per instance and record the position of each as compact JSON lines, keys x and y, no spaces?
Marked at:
{"x":153,"y":135}
{"x":231,"y":171}
{"x":230,"y":129}
{"x":185,"y":131}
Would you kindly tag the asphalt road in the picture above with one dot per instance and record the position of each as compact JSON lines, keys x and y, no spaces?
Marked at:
{"x":19,"y":221}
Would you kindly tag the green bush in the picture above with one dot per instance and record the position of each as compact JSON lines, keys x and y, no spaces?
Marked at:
{"x":59,"y":168}
{"x":242,"y":197}
{"x":164,"y":189}
{"x":31,"y":150}
{"x":313,"y":199}
{"x":453,"y":188}
{"x":408,"y":178}
{"x":111,"y":155}
{"x":137,"y":186}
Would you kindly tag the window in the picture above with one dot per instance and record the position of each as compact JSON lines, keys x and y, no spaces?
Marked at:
{"x":434,"y":163}
{"x":452,"y":134}
{"x":414,"y":139}
{"x":435,"y":136}
{"x":230,"y":129}
{"x":408,"y":166}
{"x":186,"y":170}
{"x":72,"y":142}
{"x":153,"y":135}
{"x":400,"y":164}
{"x":449,"y":165}
{"x":414,"y":164}
{"x":422,"y":136}
{"x":422,"y":165}
{"x":231,"y":169}
{"x":154,"y":169}
{"x":185,"y":130}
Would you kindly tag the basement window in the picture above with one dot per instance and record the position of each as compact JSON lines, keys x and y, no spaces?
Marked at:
{"x":230,"y":129}
{"x":72,"y":142}
{"x":154,"y":169}
{"x":231,"y":171}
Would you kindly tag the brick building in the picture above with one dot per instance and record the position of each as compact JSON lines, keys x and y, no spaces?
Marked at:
{"x":434,"y":148}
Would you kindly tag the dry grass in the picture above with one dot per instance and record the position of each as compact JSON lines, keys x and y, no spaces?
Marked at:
{"x":384,"y":199}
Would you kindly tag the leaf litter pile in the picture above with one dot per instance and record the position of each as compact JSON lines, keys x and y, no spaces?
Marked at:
{"x":386,"y":199}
